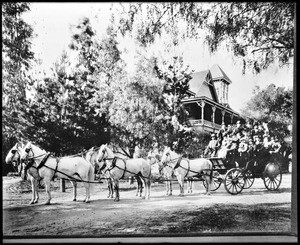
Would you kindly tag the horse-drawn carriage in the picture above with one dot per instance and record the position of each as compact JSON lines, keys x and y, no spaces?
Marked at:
{"x":239,"y":174}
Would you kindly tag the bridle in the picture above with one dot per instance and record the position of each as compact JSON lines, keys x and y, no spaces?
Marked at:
{"x":13,"y":160}
{"x":167,"y":161}
{"x":103,"y":159}
{"x":29,"y":161}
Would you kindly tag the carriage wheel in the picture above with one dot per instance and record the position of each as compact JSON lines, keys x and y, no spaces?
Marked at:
{"x":249,"y":179}
{"x":234,"y":181}
{"x":272,"y":176}
{"x":216,"y":182}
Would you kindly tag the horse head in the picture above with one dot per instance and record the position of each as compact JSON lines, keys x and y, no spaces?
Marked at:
{"x":166,"y":156}
{"x":13,"y":156}
{"x":104,"y":153}
{"x":26,"y":152}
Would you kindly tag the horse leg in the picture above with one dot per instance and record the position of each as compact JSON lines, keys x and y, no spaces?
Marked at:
{"x":87,"y":192}
{"x":148,"y":184}
{"x":116,"y":188}
{"x":140,"y":186}
{"x":208,"y":179}
{"x":110,"y":189}
{"x":34,"y":189}
{"x":167,"y":187}
{"x":74,"y":184}
{"x":181,"y":185}
{"x":47,"y":185}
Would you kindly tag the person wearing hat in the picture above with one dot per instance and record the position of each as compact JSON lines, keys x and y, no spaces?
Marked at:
{"x":229,"y":130}
{"x":238,"y":128}
{"x":275,"y":149}
{"x":221,"y":133}
{"x":242,"y":150}
{"x":212,"y":146}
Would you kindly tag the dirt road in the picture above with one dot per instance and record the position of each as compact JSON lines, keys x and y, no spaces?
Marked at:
{"x":253,"y":210}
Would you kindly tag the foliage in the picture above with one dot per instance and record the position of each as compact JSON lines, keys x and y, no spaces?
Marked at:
{"x":176,"y":78}
{"x":16,"y":61}
{"x":272,"y":104}
{"x":136,"y":110}
{"x":66,"y":111}
{"x":263,"y":29}
{"x":260,"y":33}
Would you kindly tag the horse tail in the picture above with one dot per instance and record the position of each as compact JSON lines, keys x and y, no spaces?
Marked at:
{"x":91,"y":177}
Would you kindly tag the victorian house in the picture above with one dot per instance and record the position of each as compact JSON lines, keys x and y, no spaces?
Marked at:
{"x":207,"y":100}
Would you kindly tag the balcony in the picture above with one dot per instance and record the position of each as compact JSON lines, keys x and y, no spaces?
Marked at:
{"x":206,"y":126}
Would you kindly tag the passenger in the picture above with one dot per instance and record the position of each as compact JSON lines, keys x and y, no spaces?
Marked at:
{"x":221,"y":133}
{"x":212,"y":147}
{"x":238,"y":128}
{"x":255,"y":130}
{"x":222,"y":153}
{"x":232,"y":153}
{"x":275,"y":149}
{"x":266,"y":128}
{"x":242,"y":153}
{"x":260,"y":131}
{"x":266,"y":141}
{"x":229,"y":130}
{"x":250,"y":151}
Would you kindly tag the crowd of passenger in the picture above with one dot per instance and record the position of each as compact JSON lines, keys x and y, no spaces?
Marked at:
{"x":244,"y":143}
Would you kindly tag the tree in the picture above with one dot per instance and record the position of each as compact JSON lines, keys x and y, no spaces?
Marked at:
{"x":274,"y":105}
{"x":261,"y":33}
{"x":67,"y":111}
{"x":16,"y":60}
{"x":60,"y":115}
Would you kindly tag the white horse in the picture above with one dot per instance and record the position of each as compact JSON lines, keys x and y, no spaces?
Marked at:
{"x":41,"y":164}
{"x":185,"y":168}
{"x":166,"y":173}
{"x":118,"y":168}
{"x":13,"y":157}
{"x":91,"y":156}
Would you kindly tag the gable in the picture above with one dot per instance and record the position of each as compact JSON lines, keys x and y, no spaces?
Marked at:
{"x":201,"y":85}
{"x":218,"y":74}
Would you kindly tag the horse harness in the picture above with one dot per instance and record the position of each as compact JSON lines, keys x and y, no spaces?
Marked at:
{"x":31,"y":161}
{"x":177,"y":165}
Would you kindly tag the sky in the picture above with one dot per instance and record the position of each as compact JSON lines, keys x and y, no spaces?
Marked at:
{"x":52,"y":21}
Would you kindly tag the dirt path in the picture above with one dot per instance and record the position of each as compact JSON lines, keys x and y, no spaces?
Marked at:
{"x":254,"y":210}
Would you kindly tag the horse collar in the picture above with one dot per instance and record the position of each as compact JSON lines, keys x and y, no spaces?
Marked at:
{"x":43,"y":161}
{"x":178,"y":163}
{"x":57,"y":161}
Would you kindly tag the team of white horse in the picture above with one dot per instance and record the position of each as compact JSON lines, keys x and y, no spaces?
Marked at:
{"x":42,"y":165}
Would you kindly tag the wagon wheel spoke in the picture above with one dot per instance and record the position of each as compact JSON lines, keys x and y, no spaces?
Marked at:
{"x":234,"y":181}
{"x":272,"y":180}
{"x":249,"y":179}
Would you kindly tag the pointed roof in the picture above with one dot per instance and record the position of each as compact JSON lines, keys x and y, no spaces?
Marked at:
{"x":199,"y":86}
{"x":217,"y":73}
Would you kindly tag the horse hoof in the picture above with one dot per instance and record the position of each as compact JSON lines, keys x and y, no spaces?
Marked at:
{"x":31,"y":203}
{"x":74,"y":200}
{"x":47,"y":203}
{"x":87,"y":201}
{"x":116,"y":199}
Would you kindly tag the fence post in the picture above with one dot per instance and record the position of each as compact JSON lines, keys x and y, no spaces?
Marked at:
{"x":62,"y":185}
